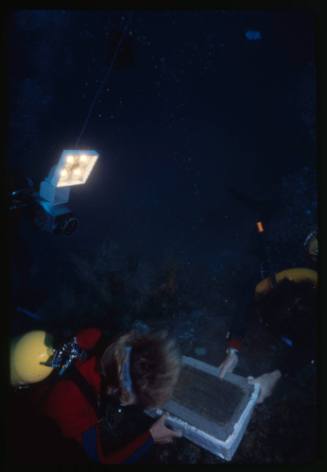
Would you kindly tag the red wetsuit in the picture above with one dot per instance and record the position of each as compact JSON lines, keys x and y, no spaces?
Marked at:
{"x":77,"y":418}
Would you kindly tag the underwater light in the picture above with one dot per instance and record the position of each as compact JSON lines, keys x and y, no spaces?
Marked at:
{"x":70,"y":160}
{"x":260,"y":227}
{"x":74,"y":168}
{"x":63,"y":174}
{"x":83,"y":158}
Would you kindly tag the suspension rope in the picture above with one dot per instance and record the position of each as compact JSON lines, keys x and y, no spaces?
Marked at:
{"x":104,"y":80}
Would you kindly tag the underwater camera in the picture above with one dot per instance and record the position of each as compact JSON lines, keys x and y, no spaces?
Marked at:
{"x":47,"y":208}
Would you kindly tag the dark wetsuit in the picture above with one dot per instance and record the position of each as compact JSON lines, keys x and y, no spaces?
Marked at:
{"x":245,"y":301}
{"x":244,"y":289}
{"x":297,"y":346}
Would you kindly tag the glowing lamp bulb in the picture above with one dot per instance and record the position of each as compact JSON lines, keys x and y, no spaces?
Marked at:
{"x":63,"y":174}
{"x":77,"y":172}
{"x":70,"y":159}
{"x":83,"y":159}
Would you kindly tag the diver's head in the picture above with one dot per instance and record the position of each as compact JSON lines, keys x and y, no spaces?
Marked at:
{"x":311,"y":246}
{"x":141,"y":369}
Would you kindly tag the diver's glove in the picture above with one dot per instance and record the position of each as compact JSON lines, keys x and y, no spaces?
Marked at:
{"x":267,"y":384}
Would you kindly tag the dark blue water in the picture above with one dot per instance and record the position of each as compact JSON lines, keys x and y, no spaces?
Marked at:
{"x":199,"y":109}
{"x":195,"y":125}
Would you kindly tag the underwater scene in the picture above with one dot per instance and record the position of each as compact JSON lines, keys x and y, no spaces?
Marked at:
{"x":163,"y":209}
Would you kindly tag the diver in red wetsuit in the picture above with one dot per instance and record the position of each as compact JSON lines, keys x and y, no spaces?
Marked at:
{"x":135,"y":369}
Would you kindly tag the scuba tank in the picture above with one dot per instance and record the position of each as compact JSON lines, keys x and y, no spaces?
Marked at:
{"x":29,"y":356}
{"x":33,"y":357}
{"x":270,"y":278}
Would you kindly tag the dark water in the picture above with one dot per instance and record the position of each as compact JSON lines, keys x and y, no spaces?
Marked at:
{"x":200,"y":109}
{"x":191,"y":109}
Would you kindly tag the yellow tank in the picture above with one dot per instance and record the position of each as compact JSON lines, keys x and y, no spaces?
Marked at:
{"x":28,"y":353}
{"x":293,"y":275}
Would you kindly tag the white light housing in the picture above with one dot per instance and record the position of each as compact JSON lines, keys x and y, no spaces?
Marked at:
{"x":74,"y":167}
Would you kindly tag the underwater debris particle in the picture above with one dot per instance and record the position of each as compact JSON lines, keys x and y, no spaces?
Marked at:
{"x":253,"y":35}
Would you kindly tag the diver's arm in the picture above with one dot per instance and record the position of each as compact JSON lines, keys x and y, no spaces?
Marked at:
{"x":126,"y":455}
{"x":245,"y":295}
{"x":240,"y":321}
{"x":235,"y":336}
{"x":158,"y":433}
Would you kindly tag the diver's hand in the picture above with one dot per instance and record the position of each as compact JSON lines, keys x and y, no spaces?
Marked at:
{"x":267,"y":384}
{"x":228,"y":364}
{"x":161,"y":434}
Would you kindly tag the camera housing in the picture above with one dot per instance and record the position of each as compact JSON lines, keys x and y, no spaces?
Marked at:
{"x":47,"y":208}
{"x":56,"y":219}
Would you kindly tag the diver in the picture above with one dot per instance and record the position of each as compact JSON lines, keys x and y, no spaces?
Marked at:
{"x":285,"y":302}
{"x":106,"y":378}
{"x":36,"y":439}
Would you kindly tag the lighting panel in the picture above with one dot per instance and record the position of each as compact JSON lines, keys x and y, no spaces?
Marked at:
{"x":74,"y":167}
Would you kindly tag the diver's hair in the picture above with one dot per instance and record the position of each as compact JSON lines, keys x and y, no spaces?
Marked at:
{"x":154,"y":367}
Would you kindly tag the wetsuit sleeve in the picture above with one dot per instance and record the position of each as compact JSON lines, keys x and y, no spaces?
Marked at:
{"x":126,"y":455}
{"x":70,"y":410}
{"x":240,"y":321}
{"x":245,"y":292}
{"x":88,"y":338}
{"x":245,"y":288}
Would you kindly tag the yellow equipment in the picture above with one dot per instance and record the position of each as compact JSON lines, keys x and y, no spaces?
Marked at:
{"x":28,"y":354}
{"x":293,"y":275}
